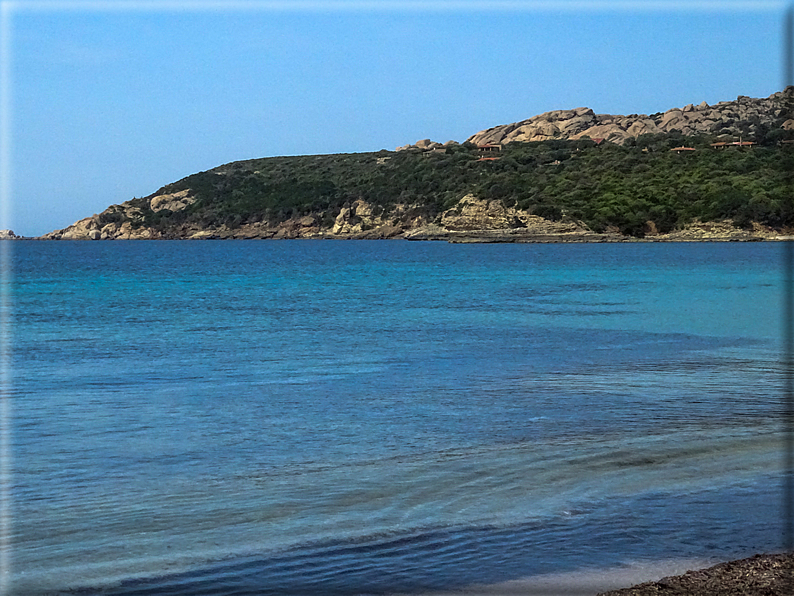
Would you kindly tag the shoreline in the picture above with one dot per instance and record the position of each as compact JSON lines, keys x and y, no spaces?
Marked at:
{"x":760,"y":574}
{"x":473,"y":237}
{"x":700,"y":232}
{"x":479,"y":222}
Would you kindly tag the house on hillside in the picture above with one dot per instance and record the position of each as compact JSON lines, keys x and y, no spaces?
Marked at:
{"x":682,"y":149}
{"x":724,"y":144}
{"x":489,"y":148}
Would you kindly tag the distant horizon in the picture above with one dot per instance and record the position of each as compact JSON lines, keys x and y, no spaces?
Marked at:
{"x":102,"y":105}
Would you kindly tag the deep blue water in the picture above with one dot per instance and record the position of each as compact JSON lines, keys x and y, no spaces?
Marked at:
{"x":309,"y":417}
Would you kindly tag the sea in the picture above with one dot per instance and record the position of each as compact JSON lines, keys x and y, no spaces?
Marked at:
{"x":376,"y":417}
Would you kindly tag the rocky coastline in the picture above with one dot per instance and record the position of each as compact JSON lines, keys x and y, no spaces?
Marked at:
{"x":472,"y":220}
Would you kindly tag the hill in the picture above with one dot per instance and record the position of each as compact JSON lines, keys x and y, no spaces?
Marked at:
{"x":567,"y":175}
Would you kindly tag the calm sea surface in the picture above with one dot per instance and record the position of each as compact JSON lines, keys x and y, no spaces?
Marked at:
{"x":328,"y":417}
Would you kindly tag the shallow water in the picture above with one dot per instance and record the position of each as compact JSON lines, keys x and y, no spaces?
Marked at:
{"x":366,"y":417}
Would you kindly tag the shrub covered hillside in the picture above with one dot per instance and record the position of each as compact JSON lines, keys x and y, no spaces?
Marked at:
{"x":605,"y":185}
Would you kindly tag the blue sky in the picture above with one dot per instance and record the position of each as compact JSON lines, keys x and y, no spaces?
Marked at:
{"x":106,"y":101}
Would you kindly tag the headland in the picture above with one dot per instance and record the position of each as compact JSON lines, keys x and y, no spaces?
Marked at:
{"x":698,"y":173}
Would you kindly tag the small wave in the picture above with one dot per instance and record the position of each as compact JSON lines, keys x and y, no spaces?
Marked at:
{"x":379,"y":564}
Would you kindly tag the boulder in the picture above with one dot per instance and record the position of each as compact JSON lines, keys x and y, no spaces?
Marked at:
{"x":361,"y":209}
{"x":341,"y":220}
{"x":641,"y":127}
{"x":390,"y":231}
{"x":79,"y":230}
{"x":172,"y":201}
{"x":307,"y":221}
{"x":671,"y":118}
{"x":472,"y":213}
{"x":547,"y":129}
{"x":576,"y":124}
{"x":610,"y":132}
{"x":202,"y":235}
{"x":357,"y":218}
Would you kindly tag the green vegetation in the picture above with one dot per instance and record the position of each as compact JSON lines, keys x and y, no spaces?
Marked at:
{"x":606,"y":186}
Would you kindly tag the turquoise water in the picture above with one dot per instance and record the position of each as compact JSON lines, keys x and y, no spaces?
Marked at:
{"x":313,"y":417}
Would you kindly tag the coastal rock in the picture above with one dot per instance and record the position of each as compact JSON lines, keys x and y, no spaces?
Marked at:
{"x":475,"y":216}
{"x":390,"y":231}
{"x":307,"y":221}
{"x":472,"y":213}
{"x":342,"y":221}
{"x":128,"y":232}
{"x":719,"y":231}
{"x":361,"y":219}
{"x":7,"y":235}
{"x":109,"y":231}
{"x":203,"y":235}
{"x":78,"y":230}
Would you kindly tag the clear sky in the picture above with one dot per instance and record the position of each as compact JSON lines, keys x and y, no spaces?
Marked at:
{"x":106,"y":101}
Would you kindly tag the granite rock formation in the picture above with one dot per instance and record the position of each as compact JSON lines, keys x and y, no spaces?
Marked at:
{"x":744,"y":115}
